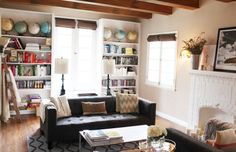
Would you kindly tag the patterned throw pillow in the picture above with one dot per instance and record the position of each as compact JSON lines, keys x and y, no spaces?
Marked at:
{"x":127,"y":103}
{"x":62,"y":106}
{"x":90,"y":108}
{"x":226,"y":140}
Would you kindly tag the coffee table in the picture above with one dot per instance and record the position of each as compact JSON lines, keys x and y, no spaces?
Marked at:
{"x":129,"y":134}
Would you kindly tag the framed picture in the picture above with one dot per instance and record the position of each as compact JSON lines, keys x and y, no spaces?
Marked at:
{"x":225,"y":57}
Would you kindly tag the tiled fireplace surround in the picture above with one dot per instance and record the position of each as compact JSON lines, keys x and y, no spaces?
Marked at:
{"x":213,"y":94}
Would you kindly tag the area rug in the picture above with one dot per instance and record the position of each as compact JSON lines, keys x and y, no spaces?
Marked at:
{"x":37,"y":143}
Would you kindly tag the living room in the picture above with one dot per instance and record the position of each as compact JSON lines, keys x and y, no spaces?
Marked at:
{"x":85,"y":34}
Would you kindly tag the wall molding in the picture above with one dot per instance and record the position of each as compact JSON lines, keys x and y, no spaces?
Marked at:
{"x":172,"y":119}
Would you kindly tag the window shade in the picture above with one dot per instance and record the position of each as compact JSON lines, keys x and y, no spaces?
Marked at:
{"x":87,"y":24}
{"x":67,"y":23}
{"x":162,"y":37}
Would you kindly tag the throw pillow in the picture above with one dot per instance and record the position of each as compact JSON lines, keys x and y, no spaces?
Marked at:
{"x":126,"y":103}
{"x":226,"y":140}
{"x":62,"y":106}
{"x":90,"y":108}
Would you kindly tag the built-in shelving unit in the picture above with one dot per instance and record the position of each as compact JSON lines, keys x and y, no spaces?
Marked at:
{"x":30,"y":65}
{"x":124,"y":51}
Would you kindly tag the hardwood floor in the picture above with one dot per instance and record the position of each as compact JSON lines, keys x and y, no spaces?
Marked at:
{"x":13,"y":135}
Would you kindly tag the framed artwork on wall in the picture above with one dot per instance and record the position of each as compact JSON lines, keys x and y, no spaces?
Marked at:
{"x":225,"y":56}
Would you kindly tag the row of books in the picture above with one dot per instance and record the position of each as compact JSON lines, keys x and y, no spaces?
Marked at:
{"x":125,"y":60}
{"x":100,"y":137}
{"x":33,"y":84}
{"x":124,"y":90}
{"x":35,"y":70}
{"x":28,"y":57}
{"x":129,"y":82}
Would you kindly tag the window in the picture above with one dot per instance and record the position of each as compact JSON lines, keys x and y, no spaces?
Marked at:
{"x":78,"y":46}
{"x":161,"y":60}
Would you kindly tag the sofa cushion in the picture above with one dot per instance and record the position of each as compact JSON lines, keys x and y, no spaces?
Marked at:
{"x":126,"y":103}
{"x":76,"y":104}
{"x":94,"y":108}
{"x":62,"y":106}
{"x":109,"y":119}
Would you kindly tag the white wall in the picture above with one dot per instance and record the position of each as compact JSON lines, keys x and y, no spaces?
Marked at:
{"x":208,"y":18}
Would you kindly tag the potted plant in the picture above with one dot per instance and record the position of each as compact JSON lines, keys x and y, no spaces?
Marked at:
{"x":195,"y":46}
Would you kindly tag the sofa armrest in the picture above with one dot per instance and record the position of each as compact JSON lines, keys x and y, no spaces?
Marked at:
{"x":148,"y":109}
{"x":185,"y":143}
{"x":49,"y":125}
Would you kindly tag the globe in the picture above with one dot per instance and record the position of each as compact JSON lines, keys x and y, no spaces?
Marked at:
{"x":120,"y":34}
{"x":107,"y":33}
{"x":21,"y":27}
{"x":34,"y":28}
{"x":7,"y":24}
{"x":45,"y":27}
{"x":132,"y":36}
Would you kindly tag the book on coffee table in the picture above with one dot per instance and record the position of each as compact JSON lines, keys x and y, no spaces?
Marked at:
{"x":96,"y":135}
{"x":99,"y":137}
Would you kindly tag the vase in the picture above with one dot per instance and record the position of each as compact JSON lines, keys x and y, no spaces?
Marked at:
{"x":156,"y":142}
{"x":195,"y":58}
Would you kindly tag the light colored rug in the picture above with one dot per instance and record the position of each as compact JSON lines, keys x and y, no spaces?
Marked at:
{"x":37,"y":143}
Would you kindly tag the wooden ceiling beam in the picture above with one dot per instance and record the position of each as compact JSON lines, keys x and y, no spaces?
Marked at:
{"x":87,"y":7}
{"x":186,"y":4}
{"x":227,"y":0}
{"x":131,"y":5}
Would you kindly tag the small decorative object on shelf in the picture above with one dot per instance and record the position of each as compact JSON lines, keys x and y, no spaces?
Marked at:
{"x":156,"y":136}
{"x":132,"y":36}
{"x":194,"y":46}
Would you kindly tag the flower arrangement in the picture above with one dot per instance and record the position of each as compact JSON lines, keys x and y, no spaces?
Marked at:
{"x":156,"y":135}
{"x":195,"y":45}
{"x":156,"y":131}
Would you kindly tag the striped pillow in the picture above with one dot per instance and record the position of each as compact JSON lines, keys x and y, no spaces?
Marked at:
{"x":226,"y":140}
{"x":127,"y":103}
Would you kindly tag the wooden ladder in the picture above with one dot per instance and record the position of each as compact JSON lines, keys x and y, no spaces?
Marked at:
{"x":9,"y":86}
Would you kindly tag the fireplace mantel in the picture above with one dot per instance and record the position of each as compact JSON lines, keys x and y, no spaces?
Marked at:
{"x":213,"y":74}
{"x":214,"y":90}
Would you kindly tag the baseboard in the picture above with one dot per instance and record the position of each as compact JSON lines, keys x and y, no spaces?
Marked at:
{"x":172,"y":119}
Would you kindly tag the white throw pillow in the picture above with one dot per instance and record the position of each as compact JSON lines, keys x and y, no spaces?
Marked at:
{"x":62,"y":106}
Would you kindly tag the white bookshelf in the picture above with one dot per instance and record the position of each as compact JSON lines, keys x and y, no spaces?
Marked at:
{"x":30,"y":17}
{"x":120,"y":82}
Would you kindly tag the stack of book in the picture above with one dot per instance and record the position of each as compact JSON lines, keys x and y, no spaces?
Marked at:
{"x":32,"y":47}
{"x":99,"y":137}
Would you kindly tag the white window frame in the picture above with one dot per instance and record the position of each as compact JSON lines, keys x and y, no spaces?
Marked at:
{"x":157,"y":84}
{"x":75,"y":51}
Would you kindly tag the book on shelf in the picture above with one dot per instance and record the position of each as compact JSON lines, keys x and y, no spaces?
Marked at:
{"x":34,"y":98}
{"x":32,"y":47}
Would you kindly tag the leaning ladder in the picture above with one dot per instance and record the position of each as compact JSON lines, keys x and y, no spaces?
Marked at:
{"x":9,"y":86}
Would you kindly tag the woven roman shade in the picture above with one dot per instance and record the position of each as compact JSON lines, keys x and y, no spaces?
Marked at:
{"x":162,"y":37}
{"x":87,"y":24}
{"x":67,"y":23}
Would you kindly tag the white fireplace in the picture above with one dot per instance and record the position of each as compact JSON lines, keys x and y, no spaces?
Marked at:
{"x":213,"y":94}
